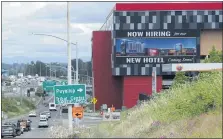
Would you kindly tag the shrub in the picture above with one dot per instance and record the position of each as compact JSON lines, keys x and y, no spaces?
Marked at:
{"x":9,"y":105}
{"x":191,"y":99}
{"x":29,"y":104}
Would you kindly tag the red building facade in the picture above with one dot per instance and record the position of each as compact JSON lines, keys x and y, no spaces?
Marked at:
{"x":141,"y":37}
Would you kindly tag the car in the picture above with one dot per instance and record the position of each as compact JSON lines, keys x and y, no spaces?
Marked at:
{"x":43,"y":116}
{"x":32,"y":89}
{"x":8,"y":130}
{"x":19,"y":130}
{"x":52,"y":107}
{"x":43,"y":123}
{"x":32,"y":114}
{"x":47,"y":113}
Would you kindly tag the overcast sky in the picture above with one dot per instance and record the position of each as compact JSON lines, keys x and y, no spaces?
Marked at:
{"x":21,"y":19}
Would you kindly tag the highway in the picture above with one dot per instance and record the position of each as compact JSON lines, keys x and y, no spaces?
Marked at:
{"x":17,"y":92}
{"x":8,"y":91}
{"x":55,"y":120}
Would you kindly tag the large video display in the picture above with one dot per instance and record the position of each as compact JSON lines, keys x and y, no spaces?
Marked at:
{"x":150,"y":47}
{"x":156,"y":47}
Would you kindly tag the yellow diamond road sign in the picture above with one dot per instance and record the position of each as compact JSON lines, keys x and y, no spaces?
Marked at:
{"x":94,"y":100}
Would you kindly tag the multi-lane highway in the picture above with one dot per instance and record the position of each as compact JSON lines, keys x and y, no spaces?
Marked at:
{"x":17,"y":92}
{"x":40,"y":132}
{"x":55,"y":120}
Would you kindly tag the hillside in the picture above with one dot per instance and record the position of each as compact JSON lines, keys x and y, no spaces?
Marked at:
{"x":187,"y":110}
{"x":11,"y":109}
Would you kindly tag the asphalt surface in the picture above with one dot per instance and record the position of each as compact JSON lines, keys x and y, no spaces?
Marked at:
{"x":16,"y":93}
{"x":56,"y":119}
{"x":35,"y":131}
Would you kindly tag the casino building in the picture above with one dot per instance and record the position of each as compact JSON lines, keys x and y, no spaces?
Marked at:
{"x":139,"y":39}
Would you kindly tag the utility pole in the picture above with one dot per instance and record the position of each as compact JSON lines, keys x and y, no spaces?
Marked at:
{"x":32,"y":69}
{"x":20,"y":94}
{"x":40,"y":70}
{"x":29,"y":70}
{"x":46,"y":71}
{"x":93,"y":93}
{"x":70,"y":119}
{"x":76,"y":64}
{"x":50,"y":70}
{"x":154,"y":84}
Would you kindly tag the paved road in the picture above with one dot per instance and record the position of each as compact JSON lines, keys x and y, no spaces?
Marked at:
{"x":17,"y":93}
{"x":86,"y":121}
{"x":55,"y":120}
{"x":35,"y":131}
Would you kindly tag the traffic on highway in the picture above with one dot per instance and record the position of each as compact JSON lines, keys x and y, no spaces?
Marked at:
{"x":111,"y":69}
{"x":38,"y":122}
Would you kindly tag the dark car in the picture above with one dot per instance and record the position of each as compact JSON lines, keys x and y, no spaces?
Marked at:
{"x":8,"y":130}
{"x":32,"y":89}
{"x":19,"y":130}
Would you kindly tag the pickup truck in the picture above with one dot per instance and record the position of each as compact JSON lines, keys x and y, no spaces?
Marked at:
{"x":25,"y":124}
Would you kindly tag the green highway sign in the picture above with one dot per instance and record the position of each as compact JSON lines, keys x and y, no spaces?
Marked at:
{"x":70,"y":94}
{"x":64,"y":83}
{"x":48,"y":85}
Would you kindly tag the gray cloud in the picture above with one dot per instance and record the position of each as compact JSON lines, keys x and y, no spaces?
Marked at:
{"x":80,"y":12}
{"x":19,"y":45}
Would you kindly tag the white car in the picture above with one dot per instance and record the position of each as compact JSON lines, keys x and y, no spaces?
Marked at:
{"x":43,"y":123}
{"x":47,"y":113}
{"x":32,"y":114}
{"x":43,"y":116}
{"x":52,"y":107}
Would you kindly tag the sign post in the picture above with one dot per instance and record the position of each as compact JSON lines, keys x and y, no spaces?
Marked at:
{"x":48,"y":85}
{"x":94,"y":100}
{"x":154,"y":80}
{"x":71,"y":94}
{"x":77,"y":113}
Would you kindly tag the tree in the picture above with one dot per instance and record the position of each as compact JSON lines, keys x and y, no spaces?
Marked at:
{"x":84,"y":68}
{"x":215,"y":56}
{"x":180,"y":78}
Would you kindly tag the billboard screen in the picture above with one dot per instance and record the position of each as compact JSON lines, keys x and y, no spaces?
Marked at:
{"x":152,"y":47}
{"x":156,"y":47}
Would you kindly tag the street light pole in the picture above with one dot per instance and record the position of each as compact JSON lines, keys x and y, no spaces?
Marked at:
{"x":21,"y":97}
{"x":50,"y":70}
{"x":40,"y":69}
{"x":46,"y":71}
{"x":76,"y":64}
{"x":69,"y":64}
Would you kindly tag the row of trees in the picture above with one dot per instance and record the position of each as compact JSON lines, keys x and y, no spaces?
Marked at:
{"x":52,"y":69}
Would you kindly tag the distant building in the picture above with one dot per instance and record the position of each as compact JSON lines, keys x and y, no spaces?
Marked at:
{"x":4,"y":73}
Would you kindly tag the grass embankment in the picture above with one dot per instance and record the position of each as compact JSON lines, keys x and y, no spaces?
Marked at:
{"x":10,"y":107}
{"x":188,"y":110}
